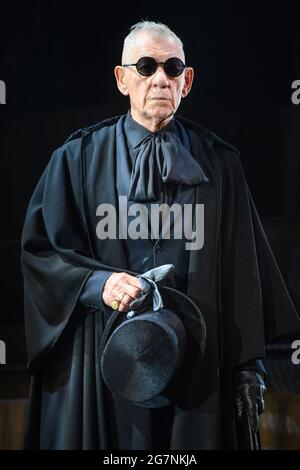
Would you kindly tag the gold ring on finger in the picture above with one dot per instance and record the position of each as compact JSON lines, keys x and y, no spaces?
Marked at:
{"x":115,"y":304}
{"x":121,"y":296}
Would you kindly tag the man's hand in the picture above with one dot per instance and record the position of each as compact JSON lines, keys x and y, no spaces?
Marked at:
{"x":249,"y":396}
{"x":121,"y":283}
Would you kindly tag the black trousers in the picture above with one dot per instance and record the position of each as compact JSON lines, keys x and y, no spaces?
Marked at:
{"x":132,"y":427}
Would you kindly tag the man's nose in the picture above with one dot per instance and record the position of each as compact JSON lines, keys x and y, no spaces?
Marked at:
{"x":160,"y":77}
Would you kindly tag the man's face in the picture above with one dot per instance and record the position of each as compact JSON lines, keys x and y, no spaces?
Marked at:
{"x":156,"y":98}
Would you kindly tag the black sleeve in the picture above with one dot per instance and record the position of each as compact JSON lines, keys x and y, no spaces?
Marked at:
{"x":255,"y":301}
{"x":255,"y":365}
{"x":91,"y":295}
{"x":56,"y":259}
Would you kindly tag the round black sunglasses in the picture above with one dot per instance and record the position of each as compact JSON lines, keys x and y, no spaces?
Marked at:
{"x":147,"y":66}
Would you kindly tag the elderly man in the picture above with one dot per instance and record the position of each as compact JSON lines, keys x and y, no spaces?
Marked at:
{"x":80,"y":267}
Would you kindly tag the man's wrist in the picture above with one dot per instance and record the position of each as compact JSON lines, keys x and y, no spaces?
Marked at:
{"x":92,"y":292}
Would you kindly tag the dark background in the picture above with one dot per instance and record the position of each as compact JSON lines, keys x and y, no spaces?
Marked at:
{"x":57,"y":60}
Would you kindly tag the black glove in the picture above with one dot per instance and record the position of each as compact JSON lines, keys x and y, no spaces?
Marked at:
{"x":249,"y":396}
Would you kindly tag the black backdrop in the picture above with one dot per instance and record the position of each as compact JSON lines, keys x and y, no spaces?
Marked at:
{"x":57,"y":59}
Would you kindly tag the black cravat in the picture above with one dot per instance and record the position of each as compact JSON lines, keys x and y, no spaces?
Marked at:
{"x":162,"y":158}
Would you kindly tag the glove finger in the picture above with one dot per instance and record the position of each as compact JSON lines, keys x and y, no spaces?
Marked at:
{"x":250,"y":403}
{"x":253,"y":416}
{"x":239,"y":403}
{"x":261,"y":404}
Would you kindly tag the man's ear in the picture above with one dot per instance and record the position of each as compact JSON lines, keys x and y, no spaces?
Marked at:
{"x":188,"y":81}
{"x":120,"y":78}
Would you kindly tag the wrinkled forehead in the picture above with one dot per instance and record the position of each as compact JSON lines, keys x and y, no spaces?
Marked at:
{"x":158,"y":47}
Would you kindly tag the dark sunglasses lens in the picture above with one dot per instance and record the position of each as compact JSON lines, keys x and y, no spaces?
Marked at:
{"x":146,"y":66}
{"x":174,"y":67}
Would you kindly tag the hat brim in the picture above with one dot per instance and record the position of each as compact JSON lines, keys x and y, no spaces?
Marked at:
{"x":157,"y":381}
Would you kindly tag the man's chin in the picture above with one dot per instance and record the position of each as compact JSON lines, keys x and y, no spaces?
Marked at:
{"x":162,"y":114}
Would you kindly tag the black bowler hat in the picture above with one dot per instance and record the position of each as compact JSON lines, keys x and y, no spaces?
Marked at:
{"x":144,"y":354}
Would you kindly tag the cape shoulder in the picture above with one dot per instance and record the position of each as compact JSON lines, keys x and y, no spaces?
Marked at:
{"x":71,"y":147}
{"x":94,"y":127}
{"x":207,"y":134}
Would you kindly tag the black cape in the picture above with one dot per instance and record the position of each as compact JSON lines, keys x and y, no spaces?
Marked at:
{"x":233,"y":278}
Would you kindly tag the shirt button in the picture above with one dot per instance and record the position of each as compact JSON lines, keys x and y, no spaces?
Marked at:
{"x":158,"y":249}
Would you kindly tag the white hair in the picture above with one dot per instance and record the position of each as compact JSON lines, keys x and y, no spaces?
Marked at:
{"x":151,"y":27}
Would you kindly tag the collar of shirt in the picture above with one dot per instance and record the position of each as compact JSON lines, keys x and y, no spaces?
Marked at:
{"x":136,"y":133}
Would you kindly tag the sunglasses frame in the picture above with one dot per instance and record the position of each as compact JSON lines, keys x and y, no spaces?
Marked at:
{"x":157,"y":64}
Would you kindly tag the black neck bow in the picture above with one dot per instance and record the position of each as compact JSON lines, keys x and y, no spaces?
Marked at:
{"x":162,"y":158}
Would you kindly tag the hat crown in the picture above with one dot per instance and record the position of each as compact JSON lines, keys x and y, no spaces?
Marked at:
{"x":142,"y":360}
